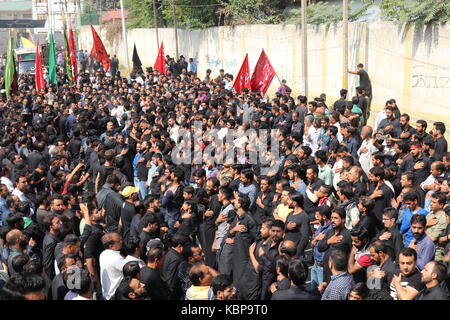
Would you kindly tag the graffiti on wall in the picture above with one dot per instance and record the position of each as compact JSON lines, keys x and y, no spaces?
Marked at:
{"x":424,"y":76}
{"x":229,"y":65}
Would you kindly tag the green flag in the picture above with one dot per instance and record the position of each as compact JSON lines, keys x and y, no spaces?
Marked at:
{"x":51,"y":61}
{"x":68,"y":65}
{"x":10,"y":70}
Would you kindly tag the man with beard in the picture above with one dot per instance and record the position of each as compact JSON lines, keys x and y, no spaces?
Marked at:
{"x":439,"y":139}
{"x":420,"y":164}
{"x":423,"y":245}
{"x":207,"y":199}
{"x":109,"y":199}
{"x":241,"y":235}
{"x":52,"y":226}
{"x":130,"y":289}
{"x":17,"y":243}
{"x":380,"y":192}
{"x":359,"y":259}
{"x":208,"y":227}
{"x":268,"y":257}
{"x":127,"y":152}
{"x":192,"y":253}
{"x":169,"y":271}
{"x":432,"y":276}
{"x":381,"y":276}
{"x":227,"y":213}
{"x":263,"y":201}
{"x":407,"y":284}
{"x":251,"y":289}
{"x":323,"y":215}
{"x":337,"y":238}
{"x":141,"y":171}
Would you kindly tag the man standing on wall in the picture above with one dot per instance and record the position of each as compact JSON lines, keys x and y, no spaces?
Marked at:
{"x":364,"y":83}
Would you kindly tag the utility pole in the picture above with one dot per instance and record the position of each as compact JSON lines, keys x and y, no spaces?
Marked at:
{"x":124,"y":32}
{"x":345,"y":45}
{"x":304,"y":48}
{"x":156,"y":24}
{"x":176,"y":31}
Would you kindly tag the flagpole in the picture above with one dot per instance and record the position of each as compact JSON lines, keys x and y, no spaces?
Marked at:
{"x":124,"y":32}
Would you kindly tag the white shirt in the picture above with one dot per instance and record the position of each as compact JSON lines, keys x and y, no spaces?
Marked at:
{"x":8,"y":183}
{"x":74,"y":296}
{"x":20,"y":195}
{"x":131,"y":258}
{"x":111,"y":264}
{"x":380,"y":117}
{"x":337,"y":175}
{"x":365,"y":159}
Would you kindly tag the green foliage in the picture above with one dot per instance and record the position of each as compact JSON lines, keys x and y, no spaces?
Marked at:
{"x":416,"y":12}
{"x":196,"y":14}
{"x":251,"y":11}
{"x":325,"y":13}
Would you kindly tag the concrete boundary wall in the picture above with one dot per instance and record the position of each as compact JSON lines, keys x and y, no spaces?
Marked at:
{"x":412,"y":66}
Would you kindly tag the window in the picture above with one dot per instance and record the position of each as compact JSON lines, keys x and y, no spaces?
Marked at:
{"x":42,"y":17}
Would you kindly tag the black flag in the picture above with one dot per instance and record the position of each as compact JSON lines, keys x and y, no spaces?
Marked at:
{"x":137,"y":65}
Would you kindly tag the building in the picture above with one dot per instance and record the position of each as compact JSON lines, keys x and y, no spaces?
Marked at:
{"x":14,"y":9}
{"x":54,"y":12}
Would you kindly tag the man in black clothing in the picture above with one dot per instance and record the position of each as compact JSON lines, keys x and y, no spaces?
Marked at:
{"x":297,"y":274}
{"x":382,"y":275}
{"x":390,"y":234}
{"x":128,"y":210}
{"x":314,"y":184}
{"x":388,"y":125}
{"x":109,"y":199}
{"x":264,"y":208}
{"x":157,"y":289}
{"x":364,"y":80}
{"x":52,"y":225}
{"x":432,"y":275}
{"x":172,"y":261}
{"x":337,"y":238}
{"x":242,"y":233}
{"x":407,"y":284}
{"x":36,"y":157}
{"x":59,"y":289}
{"x":380,"y":192}
{"x":91,"y":241}
{"x":342,"y":102}
{"x":440,"y":142}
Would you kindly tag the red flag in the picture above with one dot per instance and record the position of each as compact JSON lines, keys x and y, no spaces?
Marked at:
{"x":243,"y":77}
{"x":160,"y":63}
{"x":39,"y":76}
{"x":73,"y":57}
{"x":263,"y":74}
{"x":98,"y":51}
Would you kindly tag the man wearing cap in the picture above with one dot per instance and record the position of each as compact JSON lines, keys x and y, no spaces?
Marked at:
{"x":128,"y":210}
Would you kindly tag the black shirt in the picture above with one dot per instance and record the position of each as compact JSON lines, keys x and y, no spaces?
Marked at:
{"x":156,"y":287}
{"x":310,"y":207}
{"x":294,"y":293}
{"x":433,"y":293}
{"x":126,"y":214}
{"x":364,"y":81}
{"x":170,"y":273}
{"x":440,"y":148}
{"x":48,"y":251}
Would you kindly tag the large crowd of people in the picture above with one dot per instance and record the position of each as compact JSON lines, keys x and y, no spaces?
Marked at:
{"x":94,"y":205}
